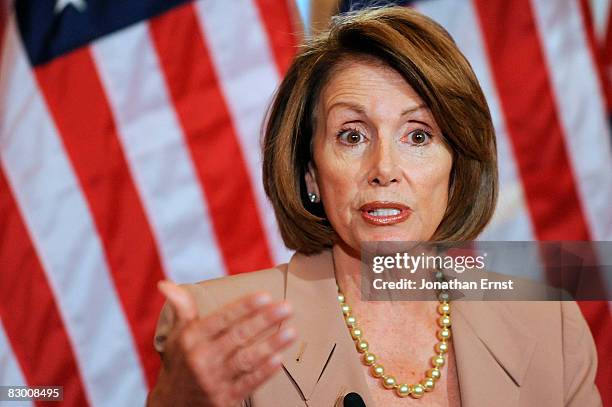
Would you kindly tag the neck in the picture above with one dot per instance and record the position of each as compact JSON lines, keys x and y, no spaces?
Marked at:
{"x":347,"y":266}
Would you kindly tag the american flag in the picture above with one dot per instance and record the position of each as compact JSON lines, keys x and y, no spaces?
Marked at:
{"x":540,"y":68}
{"x":129,"y":153}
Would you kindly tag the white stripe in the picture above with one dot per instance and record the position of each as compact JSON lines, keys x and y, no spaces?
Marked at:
{"x":582,"y":111}
{"x":158,"y":158}
{"x":248,"y":77}
{"x":305,"y":9}
{"x":10,"y":371}
{"x":511,"y":220}
{"x":581,"y":107}
{"x":63,"y":234}
{"x":600,"y":11}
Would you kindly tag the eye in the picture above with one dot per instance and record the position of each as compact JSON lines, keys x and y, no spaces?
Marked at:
{"x":351,"y":137}
{"x":418,"y":137}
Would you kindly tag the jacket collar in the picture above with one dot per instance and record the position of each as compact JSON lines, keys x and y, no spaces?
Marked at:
{"x":492,"y":352}
{"x":492,"y":347}
{"x":311,"y":290}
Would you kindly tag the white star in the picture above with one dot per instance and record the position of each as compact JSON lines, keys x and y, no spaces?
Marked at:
{"x":60,"y":5}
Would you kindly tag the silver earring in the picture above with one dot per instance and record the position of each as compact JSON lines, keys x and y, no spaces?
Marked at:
{"x":312,"y":197}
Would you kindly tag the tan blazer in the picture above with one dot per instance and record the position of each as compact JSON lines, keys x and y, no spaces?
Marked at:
{"x":508,"y":354}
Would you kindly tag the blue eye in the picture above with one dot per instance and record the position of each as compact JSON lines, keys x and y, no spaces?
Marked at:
{"x":351,"y":137}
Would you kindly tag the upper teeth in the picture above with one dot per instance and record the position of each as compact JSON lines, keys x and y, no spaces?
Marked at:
{"x":384,"y":212}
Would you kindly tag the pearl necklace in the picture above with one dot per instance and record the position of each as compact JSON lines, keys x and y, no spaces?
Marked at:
{"x":389,"y":382}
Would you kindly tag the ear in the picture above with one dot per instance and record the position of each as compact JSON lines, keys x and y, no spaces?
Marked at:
{"x":311,"y":180}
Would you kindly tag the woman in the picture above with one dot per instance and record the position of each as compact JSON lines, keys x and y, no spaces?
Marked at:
{"x":379,"y":132}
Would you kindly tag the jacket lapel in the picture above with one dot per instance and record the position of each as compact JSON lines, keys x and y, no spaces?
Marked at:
{"x":492,"y":351}
{"x":311,"y":290}
{"x":492,"y":348}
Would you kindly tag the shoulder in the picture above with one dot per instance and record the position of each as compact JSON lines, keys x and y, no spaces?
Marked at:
{"x":563,"y":319}
{"x":220,"y":291}
{"x":530,"y":340}
{"x":561,"y":326}
{"x":579,"y":358}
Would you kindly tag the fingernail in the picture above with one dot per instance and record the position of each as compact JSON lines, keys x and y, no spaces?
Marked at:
{"x":287,"y":334}
{"x":262,"y":299}
{"x":275,"y":360}
{"x":282,"y":310}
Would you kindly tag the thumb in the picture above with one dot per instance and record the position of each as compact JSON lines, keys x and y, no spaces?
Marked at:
{"x":180,"y":300}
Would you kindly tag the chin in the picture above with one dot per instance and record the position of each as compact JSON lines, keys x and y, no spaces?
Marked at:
{"x":387,"y":234}
{"x":388,"y":242}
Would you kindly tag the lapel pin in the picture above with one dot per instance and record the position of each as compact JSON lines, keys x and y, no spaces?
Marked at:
{"x":298,"y":357}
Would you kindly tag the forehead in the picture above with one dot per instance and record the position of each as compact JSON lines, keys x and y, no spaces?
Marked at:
{"x":366,"y":84}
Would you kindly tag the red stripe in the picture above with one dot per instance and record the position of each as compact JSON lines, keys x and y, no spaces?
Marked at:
{"x":78,"y":104}
{"x":527,"y":100}
{"x":597,"y":53}
{"x":281,"y":23}
{"x":28,"y":310}
{"x":528,"y":104}
{"x":597,"y":314}
{"x":607,"y":59}
{"x":212,"y":140}
{"x":607,"y":48}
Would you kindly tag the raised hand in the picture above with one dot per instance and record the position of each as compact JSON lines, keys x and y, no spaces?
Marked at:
{"x":219,"y":359}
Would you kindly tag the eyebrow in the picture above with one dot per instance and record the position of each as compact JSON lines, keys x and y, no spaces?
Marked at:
{"x":413,"y":109}
{"x":356,"y":107}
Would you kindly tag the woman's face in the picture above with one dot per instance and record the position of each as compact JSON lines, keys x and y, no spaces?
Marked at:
{"x":380,"y":166}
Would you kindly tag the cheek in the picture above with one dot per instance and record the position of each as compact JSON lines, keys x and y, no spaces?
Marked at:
{"x":434,"y":185}
{"x":337,"y":175}
{"x":337,"y":187}
{"x":337,"y":180}
{"x":431,"y":180}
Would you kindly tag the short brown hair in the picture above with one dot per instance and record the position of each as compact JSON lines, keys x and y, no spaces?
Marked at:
{"x":428,"y":59}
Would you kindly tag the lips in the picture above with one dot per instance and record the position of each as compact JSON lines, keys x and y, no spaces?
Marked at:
{"x":383,"y":213}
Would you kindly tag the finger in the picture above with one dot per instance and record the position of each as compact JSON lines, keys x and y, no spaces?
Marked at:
{"x":247,"y":383}
{"x":248,"y":359}
{"x":182,"y":303}
{"x":229,"y":315}
{"x":213,"y":369}
{"x":214,"y":352}
{"x":249,"y":328}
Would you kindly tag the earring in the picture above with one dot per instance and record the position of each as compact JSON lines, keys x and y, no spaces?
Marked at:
{"x":312,"y":197}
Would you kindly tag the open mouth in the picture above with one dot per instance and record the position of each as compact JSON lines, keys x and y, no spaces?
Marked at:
{"x":384,"y":213}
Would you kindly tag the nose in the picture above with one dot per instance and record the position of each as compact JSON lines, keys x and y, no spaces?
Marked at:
{"x":384,"y":170}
